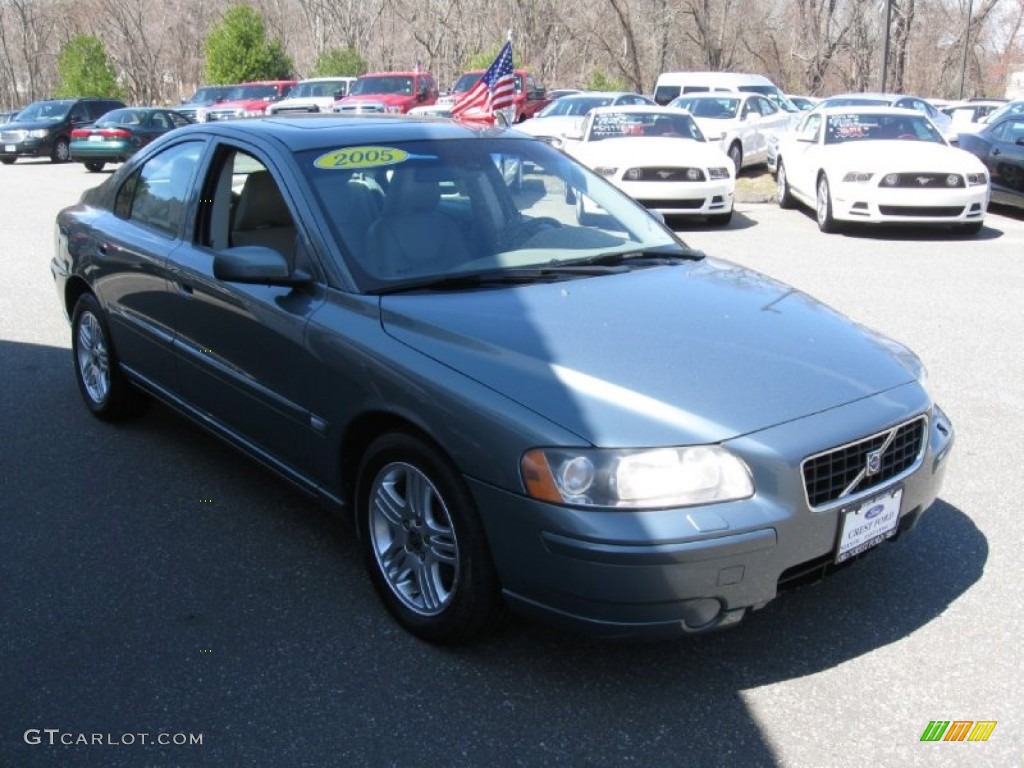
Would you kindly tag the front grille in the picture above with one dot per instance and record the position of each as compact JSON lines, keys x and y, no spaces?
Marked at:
{"x":938,"y":212}
{"x":223,"y":114}
{"x":296,"y":110}
{"x":927,"y":180}
{"x":665,"y":174}
{"x":680,"y":204}
{"x":361,"y":107}
{"x":844,"y":471}
{"x":13,"y":136}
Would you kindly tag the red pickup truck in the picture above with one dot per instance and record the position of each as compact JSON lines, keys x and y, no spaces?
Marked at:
{"x":530,"y":96}
{"x":247,"y":100}
{"x":395,"y":92}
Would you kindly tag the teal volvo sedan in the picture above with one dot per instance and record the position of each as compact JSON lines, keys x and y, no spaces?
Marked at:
{"x":587,"y":423}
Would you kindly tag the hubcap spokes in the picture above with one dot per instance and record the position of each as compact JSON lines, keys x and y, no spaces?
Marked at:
{"x":92,"y":358}
{"x":413,"y":539}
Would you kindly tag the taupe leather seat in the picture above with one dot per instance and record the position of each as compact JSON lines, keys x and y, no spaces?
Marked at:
{"x":412,"y":237}
{"x":262,"y":217}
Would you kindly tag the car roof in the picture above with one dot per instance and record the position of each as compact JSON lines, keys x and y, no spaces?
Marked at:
{"x":307,"y":132}
{"x":868,"y":110}
{"x":646,"y":109}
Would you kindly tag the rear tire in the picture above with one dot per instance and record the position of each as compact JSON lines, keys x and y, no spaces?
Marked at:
{"x":106,"y":391}
{"x":424,"y":543}
{"x":94,"y":166}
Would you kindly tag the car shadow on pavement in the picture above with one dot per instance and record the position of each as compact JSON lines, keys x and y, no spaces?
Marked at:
{"x":902,"y":233}
{"x":683,"y":224}
{"x":158,"y":580}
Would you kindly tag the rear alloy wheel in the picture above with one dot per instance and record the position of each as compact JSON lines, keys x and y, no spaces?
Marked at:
{"x":782,"y":191}
{"x":736,"y":155}
{"x":94,"y":166}
{"x":424,"y":543}
{"x":61,"y":152}
{"x":823,"y":209}
{"x":107,"y":393}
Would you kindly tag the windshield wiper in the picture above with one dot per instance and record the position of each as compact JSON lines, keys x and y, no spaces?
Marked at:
{"x":646,"y":257}
{"x":512,"y":276}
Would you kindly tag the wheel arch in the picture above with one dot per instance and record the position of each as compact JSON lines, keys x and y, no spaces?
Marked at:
{"x":75,"y":288}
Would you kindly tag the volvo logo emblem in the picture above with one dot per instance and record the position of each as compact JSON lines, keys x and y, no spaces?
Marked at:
{"x":874,"y":463}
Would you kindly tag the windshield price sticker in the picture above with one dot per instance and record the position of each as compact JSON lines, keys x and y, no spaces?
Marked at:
{"x":361,"y":157}
{"x":869,"y":523}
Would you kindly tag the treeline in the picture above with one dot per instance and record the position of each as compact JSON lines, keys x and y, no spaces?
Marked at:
{"x":158,"y":50}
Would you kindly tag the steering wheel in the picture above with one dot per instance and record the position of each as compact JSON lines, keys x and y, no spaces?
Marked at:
{"x":523,"y":228}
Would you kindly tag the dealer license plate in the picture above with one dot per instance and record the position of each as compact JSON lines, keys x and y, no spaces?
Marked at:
{"x":10,"y":148}
{"x":95,"y":137}
{"x":868,"y":523}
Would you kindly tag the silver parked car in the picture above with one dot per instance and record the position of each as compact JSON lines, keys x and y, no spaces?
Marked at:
{"x":588,"y":423}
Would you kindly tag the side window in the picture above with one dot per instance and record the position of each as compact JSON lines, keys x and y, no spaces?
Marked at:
{"x":156,"y":195}
{"x":750,"y":107}
{"x":177,"y":120}
{"x":767,"y":107}
{"x":78,"y":114}
{"x":810,"y":128}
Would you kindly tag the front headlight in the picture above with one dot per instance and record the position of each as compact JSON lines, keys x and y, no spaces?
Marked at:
{"x":636,"y":479}
{"x":858,"y":176}
{"x":393,"y":109}
{"x":718,"y":173}
{"x":253,"y":113}
{"x":976,"y":179}
{"x":39,"y":133}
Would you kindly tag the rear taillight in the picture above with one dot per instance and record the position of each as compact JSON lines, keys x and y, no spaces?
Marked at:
{"x":80,"y":133}
{"x":115,"y":133}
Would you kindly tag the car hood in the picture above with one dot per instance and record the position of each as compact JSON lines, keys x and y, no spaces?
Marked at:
{"x":306,"y":101}
{"x":383,"y":98}
{"x":902,"y":156}
{"x":31,"y":125}
{"x":700,"y":352}
{"x":648,"y":151}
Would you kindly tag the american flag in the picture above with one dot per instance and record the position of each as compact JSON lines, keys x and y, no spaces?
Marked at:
{"x":495,"y":90}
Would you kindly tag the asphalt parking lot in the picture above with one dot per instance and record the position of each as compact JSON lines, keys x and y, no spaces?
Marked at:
{"x":155,"y":582}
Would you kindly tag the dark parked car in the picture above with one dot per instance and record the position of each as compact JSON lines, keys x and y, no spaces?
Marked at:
{"x":589,"y":423}
{"x":43,"y":129}
{"x":121,"y":133}
{"x":1000,"y":146}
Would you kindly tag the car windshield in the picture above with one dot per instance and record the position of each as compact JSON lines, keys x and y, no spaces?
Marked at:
{"x":612,"y":125}
{"x":773,"y":93}
{"x":854,"y":101}
{"x":209,"y":95}
{"x":317,"y":89}
{"x":1012,"y":108}
{"x":423,"y":213}
{"x":467,"y":81}
{"x":382,"y":84}
{"x":46,"y":110}
{"x":574,"y":106}
{"x":843,"y":128}
{"x":245,"y":92}
{"x":715,"y":107}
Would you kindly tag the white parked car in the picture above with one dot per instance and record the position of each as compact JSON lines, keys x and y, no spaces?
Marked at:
{"x":879,"y":165}
{"x":317,"y":94}
{"x":565,"y":115}
{"x":942,"y":121}
{"x":741,"y":123}
{"x":659,"y":157}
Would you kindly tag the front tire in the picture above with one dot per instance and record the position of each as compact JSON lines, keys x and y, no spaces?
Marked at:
{"x":823,"y":209}
{"x":94,"y":166}
{"x":106,"y":391}
{"x":424,"y":543}
{"x":61,"y":151}
{"x":782,"y":190}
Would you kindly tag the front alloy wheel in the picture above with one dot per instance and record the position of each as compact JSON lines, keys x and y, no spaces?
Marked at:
{"x":61,"y":152}
{"x":104,"y":388}
{"x":823,"y":209}
{"x":423,"y":542}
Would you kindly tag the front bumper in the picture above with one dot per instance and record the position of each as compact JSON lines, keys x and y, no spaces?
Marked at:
{"x":876,"y":205}
{"x":706,"y":198}
{"x":658,"y":572}
{"x":27,"y":148}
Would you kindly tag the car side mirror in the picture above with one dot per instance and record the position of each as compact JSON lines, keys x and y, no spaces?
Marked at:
{"x":1020,"y":142}
{"x":256,"y":265}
